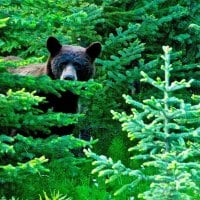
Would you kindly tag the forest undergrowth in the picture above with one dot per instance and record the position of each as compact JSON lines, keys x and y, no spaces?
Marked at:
{"x":150,"y":149}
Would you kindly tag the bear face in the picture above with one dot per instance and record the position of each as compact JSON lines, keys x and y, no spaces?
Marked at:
{"x":65,"y":62}
{"x":68,"y":62}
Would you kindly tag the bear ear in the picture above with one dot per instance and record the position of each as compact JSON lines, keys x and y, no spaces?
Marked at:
{"x":53,"y":45}
{"x":93,"y":50}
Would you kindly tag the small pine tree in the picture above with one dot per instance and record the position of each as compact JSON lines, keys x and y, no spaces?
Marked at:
{"x":21,"y":155}
{"x":166,"y":133}
{"x":20,"y":115}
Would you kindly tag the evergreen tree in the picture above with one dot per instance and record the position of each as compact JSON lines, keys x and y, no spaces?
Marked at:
{"x":19,"y":114}
{"x":166,"y":132}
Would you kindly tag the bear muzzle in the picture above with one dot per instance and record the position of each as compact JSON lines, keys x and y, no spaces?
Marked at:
{"x":69,"y":73}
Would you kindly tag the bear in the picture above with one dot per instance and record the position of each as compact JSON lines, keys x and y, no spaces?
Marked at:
{"x":65,"y":62}
{"x":72,"y":63}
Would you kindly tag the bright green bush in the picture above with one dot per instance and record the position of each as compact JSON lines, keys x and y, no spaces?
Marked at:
{"x":18,"y":113}
{"x":22,"y":156}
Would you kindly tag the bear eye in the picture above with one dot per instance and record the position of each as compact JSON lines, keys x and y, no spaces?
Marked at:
{"x":77,"y":64}
{"x":62,"y":65}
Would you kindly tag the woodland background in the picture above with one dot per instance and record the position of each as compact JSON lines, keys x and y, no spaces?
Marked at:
{"x":159,"y":159}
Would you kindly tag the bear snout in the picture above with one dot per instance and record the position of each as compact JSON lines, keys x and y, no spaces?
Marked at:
{"x":69,"y":73}
{"x":69,"y":78}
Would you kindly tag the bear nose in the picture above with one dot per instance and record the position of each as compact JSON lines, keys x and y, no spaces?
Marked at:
{"x":69,"y":78}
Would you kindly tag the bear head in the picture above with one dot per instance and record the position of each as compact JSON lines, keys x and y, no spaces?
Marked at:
{"x":68,"y":62}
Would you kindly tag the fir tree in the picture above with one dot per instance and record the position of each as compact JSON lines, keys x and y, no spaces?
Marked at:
{"x":167,"y":136}
{"x":20,"y":115}
{"x":22,"y":155}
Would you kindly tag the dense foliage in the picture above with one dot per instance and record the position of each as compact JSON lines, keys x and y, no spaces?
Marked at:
{"x":132,"y":34}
